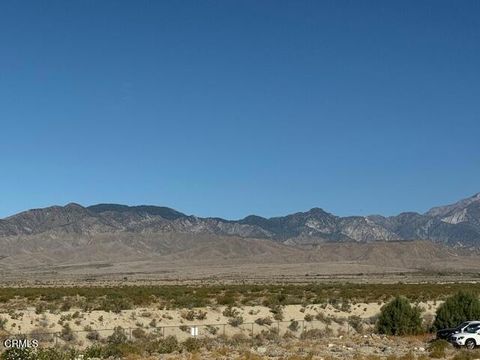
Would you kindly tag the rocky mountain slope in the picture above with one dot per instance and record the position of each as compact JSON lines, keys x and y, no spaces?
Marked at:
{"x":456,"y":225}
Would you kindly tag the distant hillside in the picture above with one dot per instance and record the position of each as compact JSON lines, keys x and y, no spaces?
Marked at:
{"x":455,"y":225}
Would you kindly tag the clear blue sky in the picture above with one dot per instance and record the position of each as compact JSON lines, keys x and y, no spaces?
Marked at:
{"x":229,"y":108}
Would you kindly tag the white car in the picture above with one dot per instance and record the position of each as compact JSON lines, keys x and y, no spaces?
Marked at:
{"x":469,"y":337}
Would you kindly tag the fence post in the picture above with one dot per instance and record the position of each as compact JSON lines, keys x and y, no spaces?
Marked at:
{"x":223,"y":329}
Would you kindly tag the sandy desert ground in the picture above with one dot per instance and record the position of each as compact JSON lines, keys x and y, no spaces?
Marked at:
{"x":339,"y":334}
{"x":24,"y":321}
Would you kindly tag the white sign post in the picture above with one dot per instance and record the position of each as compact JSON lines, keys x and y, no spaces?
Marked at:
{"x":194,"y":331}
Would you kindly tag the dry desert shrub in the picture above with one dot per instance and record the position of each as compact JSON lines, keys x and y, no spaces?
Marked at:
{"x":3,"y":323}
{"x":93,"y":335}
{"x":293,"y":326}
{"x":192,"y":315}
{"x":322,"y":317}
{"x":237,"y":339}
{"x":178,"y":296}
{"x":139,"y":333}
{"x":230,"y":312}
{"x":67,"y":334}
{"x":270,"y":335}
{"x":338,"y":320}
{"x":277,"y":312}
{"x":247,"y":355}
{"x":221,"y":351}
{"x":356,"y":323}
{"x":201,"y":315}
{"x":41,"y":334}
{"x":264,"y":321}
{"x":467,"y":355}
{"x":213,"y":330}
{"x":167,"y":345}
{"x":188,"y":315}
{"x":146,"y":314}
{"x":289,"y":335}
{"x":40,"y":308}
{"x":193,"y":344}
{"x":236,"y":321}
{"x":438,"y":348}
{"x":118,"y":337}
{"x":312,"y":334}
{"x":184,"y":328}
{"x":300,"y":357}
{"x":308,"y":317}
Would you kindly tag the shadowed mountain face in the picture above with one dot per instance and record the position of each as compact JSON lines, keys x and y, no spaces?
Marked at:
{"x":456,"y":225}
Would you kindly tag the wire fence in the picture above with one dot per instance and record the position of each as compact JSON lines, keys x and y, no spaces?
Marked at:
{"x":294,"y":328}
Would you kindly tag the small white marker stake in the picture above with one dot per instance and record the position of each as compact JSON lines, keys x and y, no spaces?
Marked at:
{"x":194,"y":331}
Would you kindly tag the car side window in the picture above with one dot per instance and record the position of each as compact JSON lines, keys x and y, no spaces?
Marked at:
{"x":472,"y":328}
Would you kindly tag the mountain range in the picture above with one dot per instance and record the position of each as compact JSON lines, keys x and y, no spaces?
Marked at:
{"x":107,"y":241}
{"x":456,"y":225}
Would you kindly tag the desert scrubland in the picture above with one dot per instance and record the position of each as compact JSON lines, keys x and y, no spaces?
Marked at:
{"x":223,"y":321}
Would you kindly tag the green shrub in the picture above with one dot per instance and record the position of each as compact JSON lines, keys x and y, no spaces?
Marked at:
{"x":263,"y":321}
{"x":66,"y":305}
{"x":356,"y":323}
{"x":398,"y":317}
{"x":236,"y":321}
{"x":268,"y":335}
{"x":40,"y":308}
{"x":118,"y":336}
{"x":189,"y":315}
{"x":39,"y":354}
{"x":180,"y":296}
{"x":201,"y":315}
{"x":226,"y":300}
{"x":55,"y":354}
{"x":17,"y":354}
{"x":184,"y":328}
{"x":308,"y":317}
{"x":94,"y":351}
{"x":462,"y":306}
{"x":163,"y":346}
{"x":467,"y":355}
{"x":321,"y":317}
{"x":230,"y":312}
{"x":277,"y":312}
{"x":312,"y":334}
{"x":3,"y":323}
{"x":93,"y":335}
{"x":213,"y":330}
{"x":139,"y":333}
{"x":192,"y":344}
{"x":67,"y":334}
{"x":437,"y":348}
{"x":293,"y":326}
{"x":346,"y":306}
{"x":115,"y":304}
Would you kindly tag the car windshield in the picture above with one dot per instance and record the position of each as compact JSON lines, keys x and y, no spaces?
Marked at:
{"x":461,"y":326}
